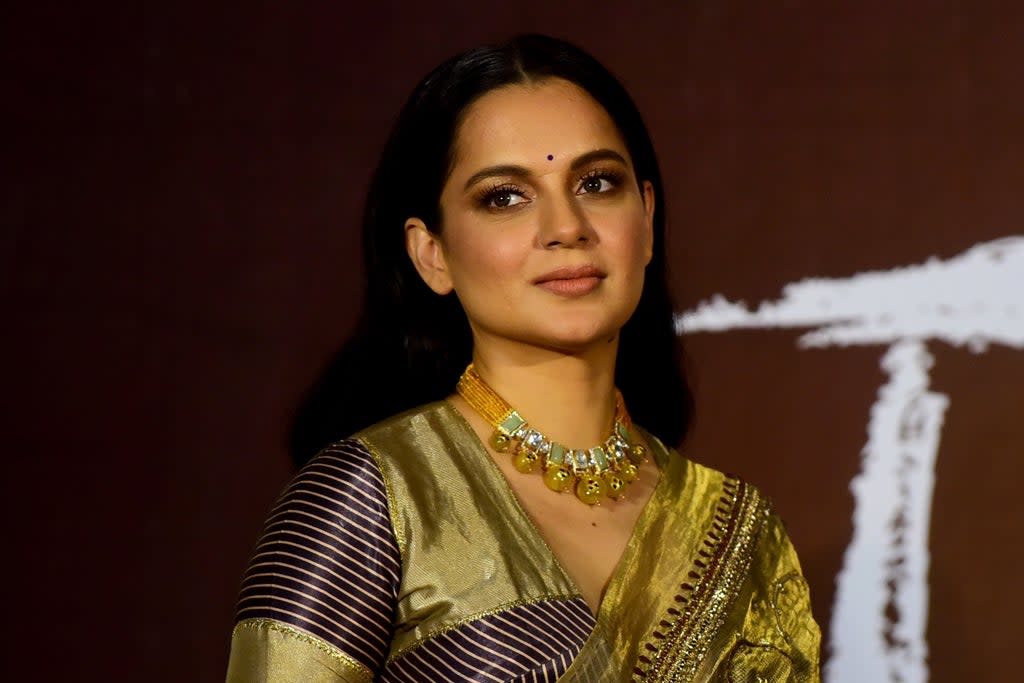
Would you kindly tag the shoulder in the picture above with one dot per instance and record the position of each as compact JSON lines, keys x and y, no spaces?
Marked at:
{"x":343,"y":482}
{"x":327,"y":564}
{"x":735,"y":509}
{"x":402,"y":443}
{"x":777,"y":630}
{"x":706,"y":487}
{"x":748,"y":557}
{"x":426,"y":415}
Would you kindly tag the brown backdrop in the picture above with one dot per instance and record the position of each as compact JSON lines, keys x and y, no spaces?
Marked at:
{"x":180,"y":251}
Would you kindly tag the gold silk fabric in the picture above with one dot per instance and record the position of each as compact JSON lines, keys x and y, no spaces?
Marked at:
{"x":708,"y":589}
{"x":467,"y":547}
{"x":266,"y":650}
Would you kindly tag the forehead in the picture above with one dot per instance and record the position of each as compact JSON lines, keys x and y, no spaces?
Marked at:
{"x":524,"y":123}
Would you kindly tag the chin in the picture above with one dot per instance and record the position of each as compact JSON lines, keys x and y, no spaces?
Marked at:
{"x":573,"y":340}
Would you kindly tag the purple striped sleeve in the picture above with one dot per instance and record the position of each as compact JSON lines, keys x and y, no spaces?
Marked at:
{"x":328,"y":562}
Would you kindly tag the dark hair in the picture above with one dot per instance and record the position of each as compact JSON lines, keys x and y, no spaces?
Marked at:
{"x":411,"y":345}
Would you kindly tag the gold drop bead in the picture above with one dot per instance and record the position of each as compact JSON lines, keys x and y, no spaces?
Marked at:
{"x":500,"y":442}
{"x":638,"y":453}
{"x":629,"y":472}
{"x":525,"y":460}
{"x":557,"y":478}
{"x":590,"y":489}
{"x":614,"y":486}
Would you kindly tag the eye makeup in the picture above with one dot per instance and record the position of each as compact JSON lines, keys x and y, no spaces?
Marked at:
{"x":499,"y":195}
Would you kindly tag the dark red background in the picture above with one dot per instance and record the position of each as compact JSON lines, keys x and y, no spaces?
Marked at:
{"x":180,"y":257}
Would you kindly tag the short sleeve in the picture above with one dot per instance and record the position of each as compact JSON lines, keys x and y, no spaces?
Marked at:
{"x":318,"y":599}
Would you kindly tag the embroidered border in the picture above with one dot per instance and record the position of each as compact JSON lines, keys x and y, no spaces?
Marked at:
{"x":351,"y":664}
{"x":680,"y":641}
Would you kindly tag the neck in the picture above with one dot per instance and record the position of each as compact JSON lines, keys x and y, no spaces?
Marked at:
{"x":569,"y":397}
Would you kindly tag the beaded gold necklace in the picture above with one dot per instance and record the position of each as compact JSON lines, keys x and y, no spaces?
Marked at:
{"x":594,"y":473}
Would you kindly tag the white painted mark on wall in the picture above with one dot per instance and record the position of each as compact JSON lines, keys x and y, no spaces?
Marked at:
{"x":883,"y":583}
{"x":880,"y":614}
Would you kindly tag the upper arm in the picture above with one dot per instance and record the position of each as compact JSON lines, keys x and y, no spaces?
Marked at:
{"x":779,"y":631}
{"x":318,"y":599}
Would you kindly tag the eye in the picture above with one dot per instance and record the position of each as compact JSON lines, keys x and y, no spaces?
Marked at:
{"x":599,"y":181}
{"x":596,"y":185}
{"x":503,"y":196}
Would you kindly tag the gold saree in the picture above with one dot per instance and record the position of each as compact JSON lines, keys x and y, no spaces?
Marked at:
{"x":708,"y":589}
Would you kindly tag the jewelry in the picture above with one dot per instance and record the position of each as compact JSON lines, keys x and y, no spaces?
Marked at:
{"x":593,"y":473}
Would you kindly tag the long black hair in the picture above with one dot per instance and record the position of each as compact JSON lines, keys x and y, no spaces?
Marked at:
{"x":411,"y":345}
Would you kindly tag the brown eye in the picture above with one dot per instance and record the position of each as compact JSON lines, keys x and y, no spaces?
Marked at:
{"x":598,"y":182}
{"x":502,"y":197}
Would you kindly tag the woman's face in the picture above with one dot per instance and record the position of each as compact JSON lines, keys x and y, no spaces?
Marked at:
{"x":545,"y":231}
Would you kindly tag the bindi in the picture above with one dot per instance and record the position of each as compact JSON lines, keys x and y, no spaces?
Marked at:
{"x":551,"y":157}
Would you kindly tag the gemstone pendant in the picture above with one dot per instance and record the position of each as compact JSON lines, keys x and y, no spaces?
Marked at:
{"x":589,"y":489}
{"x":500,"y":442}
{"x":629,"y":472}
{"x":557,"y":478}
{"x":526,"y":460}
{"x":614,"y":485}
{"x":637,"y":453}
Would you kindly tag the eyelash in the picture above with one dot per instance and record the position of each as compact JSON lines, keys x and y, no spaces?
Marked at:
{"x":488,"y":194}
{"x":613,"y":176}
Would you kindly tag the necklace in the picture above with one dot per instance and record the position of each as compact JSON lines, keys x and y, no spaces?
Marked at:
{"x":593,"y":473}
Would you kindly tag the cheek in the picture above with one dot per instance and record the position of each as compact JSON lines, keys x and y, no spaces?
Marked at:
{"x":490,"y":259}
{"x":634,"y":245}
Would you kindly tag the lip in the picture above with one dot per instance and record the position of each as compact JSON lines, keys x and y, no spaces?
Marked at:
{"x":571,"y":281}
{"x":570,"y":273}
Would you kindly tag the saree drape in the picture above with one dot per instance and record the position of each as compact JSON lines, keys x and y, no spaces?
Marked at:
{"x":402,"y":555}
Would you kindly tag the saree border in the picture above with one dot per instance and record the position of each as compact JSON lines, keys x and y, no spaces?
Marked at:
{"x":680,"y":641}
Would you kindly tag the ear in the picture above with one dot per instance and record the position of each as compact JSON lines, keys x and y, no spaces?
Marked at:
{"x":647,"y":193}
{"x":427,"y":254}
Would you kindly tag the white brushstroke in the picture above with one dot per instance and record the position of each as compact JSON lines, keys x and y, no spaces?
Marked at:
{"x":884,"y":579}
{"x":879,"y":618}
{"x":975,"y":298}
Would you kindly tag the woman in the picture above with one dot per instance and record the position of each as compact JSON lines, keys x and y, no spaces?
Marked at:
{"x":514,"y":523}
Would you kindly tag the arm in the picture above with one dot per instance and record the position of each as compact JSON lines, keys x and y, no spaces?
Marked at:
{"x":318,"y":598}
{"x":779,"y":639}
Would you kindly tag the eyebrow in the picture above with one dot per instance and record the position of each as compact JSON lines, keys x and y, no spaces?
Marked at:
{"x":515,"y":170}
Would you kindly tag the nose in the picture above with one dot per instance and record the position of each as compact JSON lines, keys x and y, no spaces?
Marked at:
{"x":564,"y":224}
